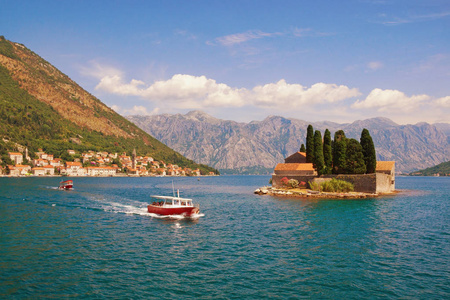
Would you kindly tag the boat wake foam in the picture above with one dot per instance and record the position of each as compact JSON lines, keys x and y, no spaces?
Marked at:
{"x":137,"y":208}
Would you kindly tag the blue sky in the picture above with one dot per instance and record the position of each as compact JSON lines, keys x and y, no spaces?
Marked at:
{"x":245,"y":60}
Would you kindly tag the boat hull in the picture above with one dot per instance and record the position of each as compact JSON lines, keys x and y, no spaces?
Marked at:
{"x":67,"y":187}
{"x":168,"y":211}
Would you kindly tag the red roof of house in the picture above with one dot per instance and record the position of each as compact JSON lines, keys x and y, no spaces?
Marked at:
{"x":295,"y":167}
{"x":15,"y":153}
{"x":385,"y":165}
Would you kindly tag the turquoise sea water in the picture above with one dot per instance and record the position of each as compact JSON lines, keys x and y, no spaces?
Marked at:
{"x":98,"y":242}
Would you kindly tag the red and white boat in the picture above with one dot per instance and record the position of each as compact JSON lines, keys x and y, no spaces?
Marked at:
{"x":66,"y":185}
{"x":167,"y":206}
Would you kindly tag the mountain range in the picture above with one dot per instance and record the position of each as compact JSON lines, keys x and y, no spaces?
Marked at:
{"x":41,"y":107}
{"x":257,"y":146}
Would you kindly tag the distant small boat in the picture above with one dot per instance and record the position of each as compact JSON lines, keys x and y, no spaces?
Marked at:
{"x":167,"y":206}
{"x":66,"y":185}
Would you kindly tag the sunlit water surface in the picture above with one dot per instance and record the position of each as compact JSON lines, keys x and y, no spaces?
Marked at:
{"x":98,"y":241}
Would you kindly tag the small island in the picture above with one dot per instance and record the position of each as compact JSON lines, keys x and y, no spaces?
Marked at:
{"x":339,"y":168}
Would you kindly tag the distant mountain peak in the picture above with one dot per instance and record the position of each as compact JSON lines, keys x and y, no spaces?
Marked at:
{"x":200,"y":116}
{"x":375,"y":122}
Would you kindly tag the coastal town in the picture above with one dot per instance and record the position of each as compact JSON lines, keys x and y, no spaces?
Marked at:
{"x":91,"y":163}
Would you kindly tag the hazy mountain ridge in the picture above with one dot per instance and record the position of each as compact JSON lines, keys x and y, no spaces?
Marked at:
{"x":226,"y":144}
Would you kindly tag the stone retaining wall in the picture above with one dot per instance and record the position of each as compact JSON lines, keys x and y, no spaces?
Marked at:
{"x":364,"y":183}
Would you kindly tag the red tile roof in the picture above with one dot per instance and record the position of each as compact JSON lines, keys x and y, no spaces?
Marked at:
{"x":294,"y":167}
{"x":15,"y":153}
{"x":385,"y":165}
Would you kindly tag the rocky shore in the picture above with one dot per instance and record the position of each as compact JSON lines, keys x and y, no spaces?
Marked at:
{"x":306,"y":193}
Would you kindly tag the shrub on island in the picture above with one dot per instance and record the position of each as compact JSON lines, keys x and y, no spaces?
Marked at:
{"x":332,"y":186}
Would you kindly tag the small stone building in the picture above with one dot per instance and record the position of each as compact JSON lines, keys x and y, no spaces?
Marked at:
{"x":38,"y":171}
{"x":295,"y":167}
{"x":299,"y":171}
{"x":386,"y":183}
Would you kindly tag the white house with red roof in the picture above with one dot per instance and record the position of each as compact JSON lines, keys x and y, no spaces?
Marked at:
{"x":19,"y":170}
{"x":73,"y":169}
{"x":16,"y":157}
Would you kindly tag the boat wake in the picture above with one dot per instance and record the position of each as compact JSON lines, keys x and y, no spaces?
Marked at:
{"x":124,"y":208}
{"x":114,"y":206}
{"x":50,"y":187}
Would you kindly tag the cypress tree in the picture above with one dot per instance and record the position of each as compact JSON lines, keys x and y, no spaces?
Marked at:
{"x":370,"y":157}
{"x":355,"y":158}
{"x":318,"y":162}
{"x":339,"y":152}
{"x":310,"y":144}
{"x":327,"y":152}
{"x":302,"y":148}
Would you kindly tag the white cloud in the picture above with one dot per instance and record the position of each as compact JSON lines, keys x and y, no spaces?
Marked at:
{"x":403,"y":109}
{"x":301,"y":32}
{"x":282,"y":93}
{"x":385,"y":100}
{"x":375,"y":65}
{"x":135,"y":110}
{"x":186,"y":91}
{"x":99,"y":71}
{"x":414,"y":18}
{"x":194,"y":92}
{"x":443,"y":102}
{"x":114,"y":84}
{"x":242,"y":37}
{"x":237,"y":38}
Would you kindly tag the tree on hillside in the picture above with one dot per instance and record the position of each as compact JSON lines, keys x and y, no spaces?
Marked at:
{"x":370,"y":157}
{"x":310,"y":144}
{"x":355,"y":158}
{"x":327,"y":152}
{"x":339,"y":152}
{"x":302,"y":148}
{"x":318,"y":162}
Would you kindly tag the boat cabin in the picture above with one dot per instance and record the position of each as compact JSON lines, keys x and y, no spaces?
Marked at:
{"x":171,"y":201}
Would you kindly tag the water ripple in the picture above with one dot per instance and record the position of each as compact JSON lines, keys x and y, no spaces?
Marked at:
{"x":98,"y":241}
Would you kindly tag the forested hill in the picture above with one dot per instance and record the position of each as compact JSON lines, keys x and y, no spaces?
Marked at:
{"x":441,"y":170}
{"x":40,"y":107}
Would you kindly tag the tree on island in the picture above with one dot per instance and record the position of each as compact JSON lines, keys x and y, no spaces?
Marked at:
{"x":355,"y":158}
{"x":370,"y":157}
{"x":339,"y":152}
{"x":302,"y":148}
{"x":318,"y":162}
{"x":327,"y":152}
{"x":342,"y":155}
{"x":310,"y":144}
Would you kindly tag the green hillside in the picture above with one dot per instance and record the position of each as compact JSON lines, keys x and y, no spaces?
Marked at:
{"x":33,"y":123}
{"x":441,"y":169}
